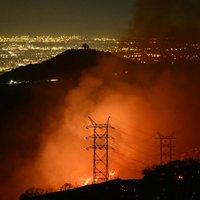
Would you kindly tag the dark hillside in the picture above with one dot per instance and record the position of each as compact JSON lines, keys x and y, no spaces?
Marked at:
{"x":182,"y":183}
{"x":68,"y":64}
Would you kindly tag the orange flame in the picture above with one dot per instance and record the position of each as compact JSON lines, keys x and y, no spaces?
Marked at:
{"x":87,"y":181}
{"x":112,"y":175}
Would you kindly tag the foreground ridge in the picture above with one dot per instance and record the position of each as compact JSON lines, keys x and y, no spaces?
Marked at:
{"x":178,"y":179}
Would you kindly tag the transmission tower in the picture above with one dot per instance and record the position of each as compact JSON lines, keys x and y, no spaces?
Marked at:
{"x":165,"y":148}
{"x":100,"y":150}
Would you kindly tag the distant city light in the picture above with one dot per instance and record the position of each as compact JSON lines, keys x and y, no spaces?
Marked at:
{"x":17,"y":51}
{"x":180,"y":177}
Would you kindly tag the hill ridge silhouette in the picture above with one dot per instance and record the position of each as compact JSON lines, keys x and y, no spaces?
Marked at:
{"x":68,"y":63}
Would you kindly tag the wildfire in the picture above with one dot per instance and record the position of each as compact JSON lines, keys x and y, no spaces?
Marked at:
{"x":87,"y":181}
{"x":111,"y":174}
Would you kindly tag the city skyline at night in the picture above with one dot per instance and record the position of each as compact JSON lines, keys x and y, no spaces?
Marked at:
{"x":19,"y":51}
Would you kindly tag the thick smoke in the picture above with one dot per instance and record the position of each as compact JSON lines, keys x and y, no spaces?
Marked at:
{"x":146,"y":102}
{"x":166,"y":101}
{"x":176,"y":19}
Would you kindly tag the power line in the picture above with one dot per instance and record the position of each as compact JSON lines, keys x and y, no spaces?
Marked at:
{"x":140,"y":133}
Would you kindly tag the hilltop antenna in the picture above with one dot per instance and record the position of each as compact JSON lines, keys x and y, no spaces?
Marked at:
{"x":100,"y":150}
{"x":165,"y":147}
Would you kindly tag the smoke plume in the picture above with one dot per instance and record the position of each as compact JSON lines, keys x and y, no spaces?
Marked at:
{"x":175,"y":19}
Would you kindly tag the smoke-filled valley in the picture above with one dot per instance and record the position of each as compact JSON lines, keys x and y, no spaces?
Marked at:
{"x":43,"y":124}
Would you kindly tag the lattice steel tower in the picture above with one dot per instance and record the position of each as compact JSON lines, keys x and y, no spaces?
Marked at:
{"x":100,"y":150}
{"x":166,"y":147}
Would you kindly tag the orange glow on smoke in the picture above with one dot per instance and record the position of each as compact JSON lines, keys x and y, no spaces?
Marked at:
{"x":136,"y":115}
{"x":138,"y":111}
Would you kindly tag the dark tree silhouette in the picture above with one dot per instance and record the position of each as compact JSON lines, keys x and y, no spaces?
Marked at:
{"x":177,"y":169}
{"x":32,"y":192}
{"x":85,"y":46}
{"x":66,"y":186}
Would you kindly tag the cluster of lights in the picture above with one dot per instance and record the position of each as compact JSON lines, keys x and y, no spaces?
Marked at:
{"x":154,"y":51}
{"x":106,"y":40}
{"x":18,"y":51}
{"x":42,"y":38}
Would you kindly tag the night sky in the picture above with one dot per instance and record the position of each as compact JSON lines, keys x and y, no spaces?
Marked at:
{"x":101,"y":18}
{"x":70,"y":17}
{"x":178,"y":19}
